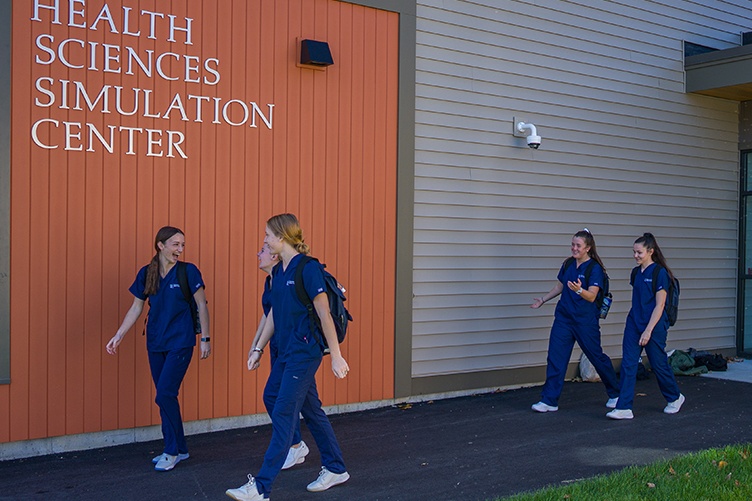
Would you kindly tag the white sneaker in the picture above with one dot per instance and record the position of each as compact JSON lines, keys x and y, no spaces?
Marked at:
{"x":181,"y":457}
{"x":166,"y":462}
{"x":620,"y":414}
{"x":296,"y":455}
{"x":543,"y":407}
{"x":327,"y":479}
{"x":611,"y":404}
{"x":673,"y":407}
{"x":246,"y":492}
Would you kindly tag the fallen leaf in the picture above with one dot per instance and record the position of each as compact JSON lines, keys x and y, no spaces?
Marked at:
{"x":722,"y":464}
{"x":744,"y":454}
{"x":651,"y":485}
{"x":671,"y":470}
{"x":728,"y":477}
{"x":405,"y":407}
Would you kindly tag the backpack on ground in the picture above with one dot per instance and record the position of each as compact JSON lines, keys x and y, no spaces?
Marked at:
{"x":336,"y":295}
{"x":672,"y":294}
{"x":186,"y":290}
{"x":603,"y":291}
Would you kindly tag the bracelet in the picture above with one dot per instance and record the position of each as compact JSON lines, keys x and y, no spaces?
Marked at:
{"x":579,"y":291}
{"x":205,"y":339}
{"x":260,"y":350}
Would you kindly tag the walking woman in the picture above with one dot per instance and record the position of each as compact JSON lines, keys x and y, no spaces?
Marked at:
{"x":647,"y":328}
{"x":576,"y":319}
{"x":299,"y":450}
{"x":170,"y":333}
{"x":300,"y":352}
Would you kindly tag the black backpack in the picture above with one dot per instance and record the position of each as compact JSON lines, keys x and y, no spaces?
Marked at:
{"x":336,"y":295}
{"x":672,"y":295}
{"x":603,"y":291}
{"x":186,"y":290}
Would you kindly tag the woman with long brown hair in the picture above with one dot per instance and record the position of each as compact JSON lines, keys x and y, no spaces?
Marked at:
{"x":580,"y":278}
{"x":171,"y":331}
{"x":647,"y":328}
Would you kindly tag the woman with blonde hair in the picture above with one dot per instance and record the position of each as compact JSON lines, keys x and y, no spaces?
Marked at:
{"x":300,"y":353}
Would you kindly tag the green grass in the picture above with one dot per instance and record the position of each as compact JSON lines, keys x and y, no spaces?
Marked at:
{"x":716,"y":474}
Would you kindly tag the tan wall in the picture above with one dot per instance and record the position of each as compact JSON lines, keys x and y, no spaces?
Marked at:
{"x":83,"y":222}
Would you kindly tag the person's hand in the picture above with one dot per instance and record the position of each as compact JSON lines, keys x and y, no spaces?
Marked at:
{"x":537,"y":302}
{"x":205,"y":349}
{"x":339,"y":366}
{"x":575,"y":286}
{"x":113,"y":344}
{"x":645,"y":338}
{"x":254,"y":360}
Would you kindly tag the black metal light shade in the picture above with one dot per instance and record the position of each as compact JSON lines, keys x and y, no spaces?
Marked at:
{"x":316,"y":53}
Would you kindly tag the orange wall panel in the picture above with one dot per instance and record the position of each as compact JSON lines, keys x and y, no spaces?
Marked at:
{"x":83,"y":218}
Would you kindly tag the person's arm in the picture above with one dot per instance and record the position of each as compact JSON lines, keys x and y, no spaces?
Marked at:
{"x":339,"y":364}
{"x":555,"y":291}
{"x":130,"y":319}
{"x":660,"y":303}
{"x":260,"y":341}
{"x":203,"y":319}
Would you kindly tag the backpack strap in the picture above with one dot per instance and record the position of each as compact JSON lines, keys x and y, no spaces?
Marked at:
{"x":633,"y":275}
{"x":656,"y":271}
{"x":589,"y":270}
{"x":313,"y":318}
{"x":186,"y":290}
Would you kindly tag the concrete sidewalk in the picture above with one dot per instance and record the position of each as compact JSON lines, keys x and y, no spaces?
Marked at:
{"x":469,"y":448}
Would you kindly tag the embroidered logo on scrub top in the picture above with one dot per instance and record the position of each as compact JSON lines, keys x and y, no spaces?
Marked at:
{"x":290,"y":282}
{"x":320,"y":289}
{"x":172,"y":286}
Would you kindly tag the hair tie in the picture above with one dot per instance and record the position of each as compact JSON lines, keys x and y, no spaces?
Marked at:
{"x":586,"y":230}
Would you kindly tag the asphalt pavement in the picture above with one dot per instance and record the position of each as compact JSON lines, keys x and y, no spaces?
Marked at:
{"x":470,"y":448}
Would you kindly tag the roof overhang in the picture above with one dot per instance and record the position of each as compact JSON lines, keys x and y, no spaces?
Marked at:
{"x":723,"y":73}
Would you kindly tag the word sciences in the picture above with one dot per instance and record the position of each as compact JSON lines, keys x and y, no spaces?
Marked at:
{"x":83,"y":53}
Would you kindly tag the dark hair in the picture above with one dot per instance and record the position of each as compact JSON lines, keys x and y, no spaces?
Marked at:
{"x":590,"y":242}
{"x":152,"y":272}
{"x":648,"y":241}
{"x":287,"y":227}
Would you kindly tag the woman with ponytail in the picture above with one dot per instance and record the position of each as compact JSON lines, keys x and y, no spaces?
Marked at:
{"x":170,"y":333}
{"x":576,"y":319}
{"x":291,"y":387}
{"x":647,"y":328}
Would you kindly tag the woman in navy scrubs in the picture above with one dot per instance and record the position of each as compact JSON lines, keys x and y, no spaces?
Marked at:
{"x":170,"y":334}
{"x":300,"y":353}
{"x":299,"y":450}
{"x":647,"y":328}
{"x":576,"y":319}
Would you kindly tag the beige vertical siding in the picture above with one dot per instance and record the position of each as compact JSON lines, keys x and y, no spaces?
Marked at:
{"x":624,"y":151}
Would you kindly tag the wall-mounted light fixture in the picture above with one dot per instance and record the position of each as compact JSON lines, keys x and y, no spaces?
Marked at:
{"x":315,"y":53}
{"x":533,"y":140}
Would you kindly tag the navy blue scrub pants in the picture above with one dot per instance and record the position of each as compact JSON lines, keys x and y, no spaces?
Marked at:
{"x":656,"y":351}
{"x":563,"y":335}
{"x":272,"y":390}
{"x":168,"y":369}
{"x":296,"y":394}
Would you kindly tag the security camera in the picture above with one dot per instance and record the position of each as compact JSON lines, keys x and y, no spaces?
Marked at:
{"x":533,"y":140}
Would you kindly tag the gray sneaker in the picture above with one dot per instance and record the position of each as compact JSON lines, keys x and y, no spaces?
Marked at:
{"x":296,"y":455}
{"x":181,"y":457}
{"x":327,"y":479}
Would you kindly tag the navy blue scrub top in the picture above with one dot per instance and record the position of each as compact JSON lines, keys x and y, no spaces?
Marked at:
{"x":292,"y":328}
{"x":571,"y":306}
{"x":643,"y":299}
{"x":170,"y":323}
